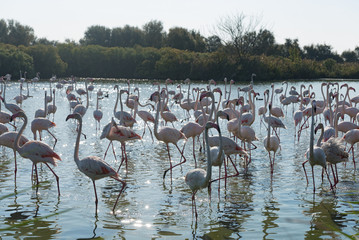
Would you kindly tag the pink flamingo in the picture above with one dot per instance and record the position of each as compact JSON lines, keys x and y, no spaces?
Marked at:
{"x":52,"y":108}
{"x":120,"y":133}
{"x":7,"y":139}
{"x":352,"y":137}
{"x":271,"y":143}
{"x":97,"y":113}
{"x":194,"y":129}
{"x":315,"y":154}
{"x":334,"y":150}
{"x":198,"y":178}
{"x":40,"y":124}
{"x":94,"y":167}
{"x":42,"y":112}
{"x":81,"y":109}
{"x":167,"y":135}
{"x":36,"y":151}
{"x":125,"y":118}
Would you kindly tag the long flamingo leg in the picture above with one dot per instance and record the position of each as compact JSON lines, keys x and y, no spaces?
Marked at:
{"x":313,"y":179}
{"x":104,"y":157}
{"x":15,"y":165}
{"x":306,"y":176}
{"x":331,"y":186}
{"x":53,"y":137}
{"x":96,"y":199}
{"x":194,"y":154}
{"x":123,"y":186}
{"x":169,"y":157}
{"x":57,"y":178}
{"x":171,"y":167}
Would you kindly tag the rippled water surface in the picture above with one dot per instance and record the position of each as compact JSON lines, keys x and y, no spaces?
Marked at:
{"x":254,"y":205}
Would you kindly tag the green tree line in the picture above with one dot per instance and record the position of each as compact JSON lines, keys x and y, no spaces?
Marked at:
{"x":151,"y":53}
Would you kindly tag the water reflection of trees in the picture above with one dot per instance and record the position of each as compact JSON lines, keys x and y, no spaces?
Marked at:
{"x":235,"y":209}
{"x":325,"y":219}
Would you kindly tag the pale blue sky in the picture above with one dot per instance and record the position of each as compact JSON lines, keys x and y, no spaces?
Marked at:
{"x":331,"y":22}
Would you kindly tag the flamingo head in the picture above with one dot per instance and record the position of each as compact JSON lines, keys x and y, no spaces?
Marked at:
{"x":18,"y":114}
{"x":213,"y":125}
{"x":218,"y":90}
{"x":122,"y":91}
{"x":344,"y":85}
{"x":204,"y":94}
{"x":320,"y":126}
{"x":74,"y":115}
{"x":154,"y":95}
{"x":220,"y":113}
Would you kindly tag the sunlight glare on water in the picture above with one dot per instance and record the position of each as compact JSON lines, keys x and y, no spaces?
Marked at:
{"x":253,"y":205}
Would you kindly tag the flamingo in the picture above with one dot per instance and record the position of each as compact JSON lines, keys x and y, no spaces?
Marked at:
{"x":40,"y":124}
{"x":36,"y":151}
{"x":194,"y":129}
{"x":315,"y":154}
{"x":271,"y":143}
{"x":42,"y":112}
{"x":334,"y":150}
{"x":247,"y":135}
{"x":198,"y":178}
{"x":94,"y":167}
{"x":7,"y":139}
{"x":52,"y":108}
{"x":81,"y":109}
{"x":120,"y":133}
{"x":97,"y":113}
{"x":125,"y":118}
{"x":167,"y":135}
{"x":13,"y":108}
{"x":167,"y":115}
{"x":352,"y":137}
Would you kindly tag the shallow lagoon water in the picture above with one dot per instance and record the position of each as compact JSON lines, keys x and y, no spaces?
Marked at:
{"x":254,"y":205}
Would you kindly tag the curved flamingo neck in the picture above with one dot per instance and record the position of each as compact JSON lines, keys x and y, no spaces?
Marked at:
{"x":18,"y":136}
{"x":211,"y":95}
{"x":268,"y":133}
{"x":121,"y":114}
{"x":87,"y":96}
{"x":320,"y":139}
{"x":311,"y":144}
{"x":156,"y":118}
{"x":77,"y":146}
{"x":209,"y":158}
{"x":114,"y":109}
{"x":45,"y":107}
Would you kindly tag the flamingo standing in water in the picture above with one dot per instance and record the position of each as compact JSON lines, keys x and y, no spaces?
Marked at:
{"x":97,"y":113}
{"x":94,"y":167}
{"x":198,"y":178}
{"x":36,"y":151}
{"x":7,"y":139}
{"x":315,"y":154}
{"x":167,"y":135}
{"x":120,"y":133}
{"x":271,"y":143}
{"x":51,"y":108}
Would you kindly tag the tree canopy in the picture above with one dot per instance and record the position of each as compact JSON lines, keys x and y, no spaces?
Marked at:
{"x":239,"y":47}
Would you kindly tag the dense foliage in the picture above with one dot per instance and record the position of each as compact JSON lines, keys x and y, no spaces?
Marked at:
{"x":151,"y":53}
